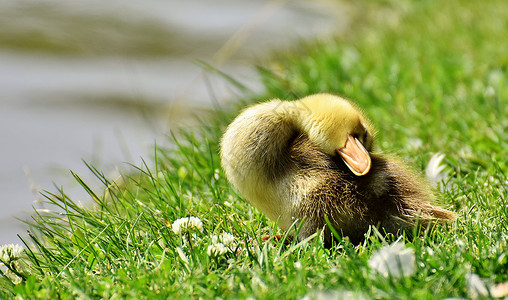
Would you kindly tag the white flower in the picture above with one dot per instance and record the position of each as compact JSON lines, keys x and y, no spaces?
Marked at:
{"x":187,"y":224}
{"x":415,"y":143}
{"x":215,"y":250}
{"x":475,"y":286}
{"x":214,"y":238}
{"x":434,"y":169}
{"x":227,"y":239}
{"x":329,"y":295}
{"x":393,"y":260}
{"x":10,"y":253}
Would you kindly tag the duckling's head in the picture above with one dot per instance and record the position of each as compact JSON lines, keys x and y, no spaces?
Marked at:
{"x":338,"y":127}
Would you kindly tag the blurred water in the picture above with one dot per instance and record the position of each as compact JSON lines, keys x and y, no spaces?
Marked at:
{"x":96,"y":80}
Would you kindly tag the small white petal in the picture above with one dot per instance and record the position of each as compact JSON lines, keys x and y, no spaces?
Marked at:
{"x":415,"y":143}
{"x":333,"y":295}
{"x":187,"y":224}
{"x":195,"y":223}
{"x":214,"y":238}
{"x":227,"y":239}
{"x":216,"y":250}
{"x":475,"y":286}
{"x":393,"y":260}
{"x":176,"y":227}
{"x":434,"y":169}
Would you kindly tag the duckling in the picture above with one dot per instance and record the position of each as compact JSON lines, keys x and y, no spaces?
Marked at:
{"x":311,"y":159}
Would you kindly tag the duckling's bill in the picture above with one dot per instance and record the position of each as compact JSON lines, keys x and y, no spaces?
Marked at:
{"x":355,"y":156}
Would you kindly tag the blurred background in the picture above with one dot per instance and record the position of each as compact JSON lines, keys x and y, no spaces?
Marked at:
{"x":101,"y":81}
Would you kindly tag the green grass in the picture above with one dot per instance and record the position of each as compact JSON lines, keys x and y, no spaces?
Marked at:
{"x":436,"y":72}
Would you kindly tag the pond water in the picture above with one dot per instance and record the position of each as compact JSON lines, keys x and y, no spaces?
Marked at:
{"x":101,"y":81}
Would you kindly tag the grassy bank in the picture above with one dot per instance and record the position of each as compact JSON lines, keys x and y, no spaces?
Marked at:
{"x":432,"y":76}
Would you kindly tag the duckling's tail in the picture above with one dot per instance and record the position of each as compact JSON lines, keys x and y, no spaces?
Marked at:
{"x":442,"y":215}
{"x":426,"y":215}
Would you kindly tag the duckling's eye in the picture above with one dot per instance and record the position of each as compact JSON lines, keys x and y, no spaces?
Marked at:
{"x":362,"y":138}
{"x":365,"y":136}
